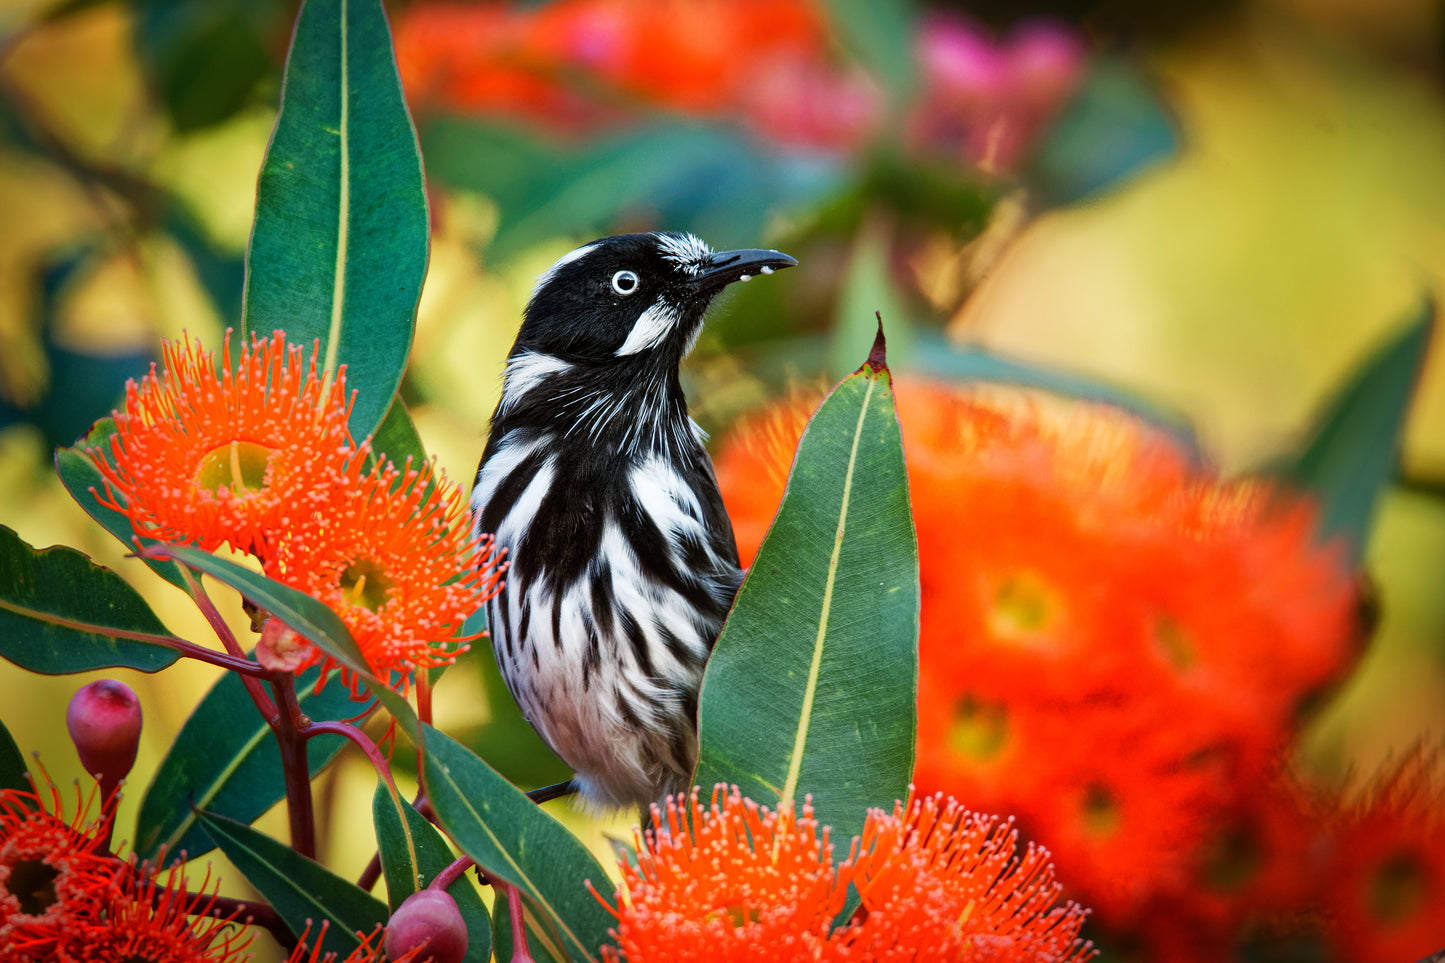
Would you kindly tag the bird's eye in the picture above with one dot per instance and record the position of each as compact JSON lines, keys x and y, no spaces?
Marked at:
{"x":624,"y":282}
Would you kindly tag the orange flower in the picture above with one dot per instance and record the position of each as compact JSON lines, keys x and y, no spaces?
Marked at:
{"x":53,"y":873}
{"x":732,"y":882}
{"x":570,"y":60}
{"x":230,"y":456}
{"x":151,"y":921}
{"x":1385,"y":884}
{"x":1115,"y":644}
{"x":938,"y":882}
{"x":738,"y":882}
{"x":391,"y":553}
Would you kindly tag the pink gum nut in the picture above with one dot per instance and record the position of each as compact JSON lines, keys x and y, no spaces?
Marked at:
{"x":428,"y":920}
{"x":104,"y":719}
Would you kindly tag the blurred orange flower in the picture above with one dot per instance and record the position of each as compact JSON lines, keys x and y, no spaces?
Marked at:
{"x":1385,"y":879}
{"x":228,"y":456}
{"x":739,"y":882}
{"x":393,"y":554}
{"x":1115,"y":644}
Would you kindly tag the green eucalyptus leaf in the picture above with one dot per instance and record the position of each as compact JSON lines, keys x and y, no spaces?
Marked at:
{"x":397,"y":439}
{"x":225,"y":760}
{"x":514,"y":839}
{"x":412,"y":854}
{"x":83,"y":480}
{"x":339,"y":246}
{"x":1354,"y":447}
{"x":299,"y":889}
{"x":13,"y":770}
{"x":60,"y":613}
{"x":304,"y":614}
{"x":812,"y":685}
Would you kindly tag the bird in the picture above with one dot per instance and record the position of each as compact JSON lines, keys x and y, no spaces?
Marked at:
{"x":595,"y":482}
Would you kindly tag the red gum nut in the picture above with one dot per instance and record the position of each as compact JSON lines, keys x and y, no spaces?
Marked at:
{"x":104,"y":719}
{"x":431,"y":922}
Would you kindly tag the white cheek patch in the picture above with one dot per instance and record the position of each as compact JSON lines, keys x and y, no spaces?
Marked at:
{"x":651,"y":328}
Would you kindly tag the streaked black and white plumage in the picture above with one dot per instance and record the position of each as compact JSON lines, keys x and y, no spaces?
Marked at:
{"x":596,"y":483}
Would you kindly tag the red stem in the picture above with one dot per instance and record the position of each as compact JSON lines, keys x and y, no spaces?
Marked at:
{"x":290,"y":726}
{"x":452,"y":873}
{"x":362,"y":740}
{"x":223,"y":632}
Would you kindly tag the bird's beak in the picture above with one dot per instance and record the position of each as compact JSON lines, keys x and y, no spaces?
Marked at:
{"x":725,"y":267}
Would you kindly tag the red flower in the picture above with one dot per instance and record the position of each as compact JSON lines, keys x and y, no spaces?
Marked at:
{"x":392,"y":553}
{"x":231,"y":456}
{"x":148,"y":920}
{"x":730,"y":882}
{"x":938,"y":882}
{"x":1385,"y":883}
{"x":53,"y":873}
{"x":737,"y":882}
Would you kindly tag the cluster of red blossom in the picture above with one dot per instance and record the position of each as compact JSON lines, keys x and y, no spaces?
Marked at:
{"x":1116,"y":647}
{"x":933,"y":880}
{"x":64,"y":897}
{"x":580,"y":64}
{"x":259,"y":457}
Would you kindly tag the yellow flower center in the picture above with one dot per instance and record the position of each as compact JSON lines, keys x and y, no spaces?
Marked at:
{"x":979,"y":730}
{"x":237,"y":465}
{"x":1101,"y":811}
{"x":1398,"y":888}
{"x":1175,"y":643}
{"x":366,"y":584}
{"x":1024,"y":605}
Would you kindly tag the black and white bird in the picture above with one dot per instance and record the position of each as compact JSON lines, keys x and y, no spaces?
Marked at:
{"x":596,"y":483}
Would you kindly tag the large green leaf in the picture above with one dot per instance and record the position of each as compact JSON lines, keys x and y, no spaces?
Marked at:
{"x":298,"y":888}
{"x":412,"y":854}
{"x":58,"y":610}
{"x":513,"y":839}
{"x":12,"y":763}
{"x":339,"y":245}
{"x":83,"y":480}
{"x":1352,"y":452}
{"x":225,"y":760}
{"x":812,"y":685}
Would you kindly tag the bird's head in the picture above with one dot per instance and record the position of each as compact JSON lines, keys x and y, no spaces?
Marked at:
{"x":633,"y":295}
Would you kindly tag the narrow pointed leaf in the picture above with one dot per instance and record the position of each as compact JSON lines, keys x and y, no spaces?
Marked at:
{"x":57,"y":610}
{"x":298,"y":888}
{"x":412,"y":854}
{"x":81,"y":478}
{"x":225,"y":760}
{"x":12,"y":763}
{"x":339,"y":245}
{"x":397,"y":438}
{"x":309,"y":616}
{"x":512,"y":838}
{"x":812,"y":685}
{"x":1352,"y":452}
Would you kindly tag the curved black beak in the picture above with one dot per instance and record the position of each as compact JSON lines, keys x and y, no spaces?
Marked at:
{"x":725,"y":267}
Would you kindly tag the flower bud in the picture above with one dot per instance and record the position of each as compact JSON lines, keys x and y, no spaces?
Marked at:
{"x":104,"y":720}
{"x":428,"y":921}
